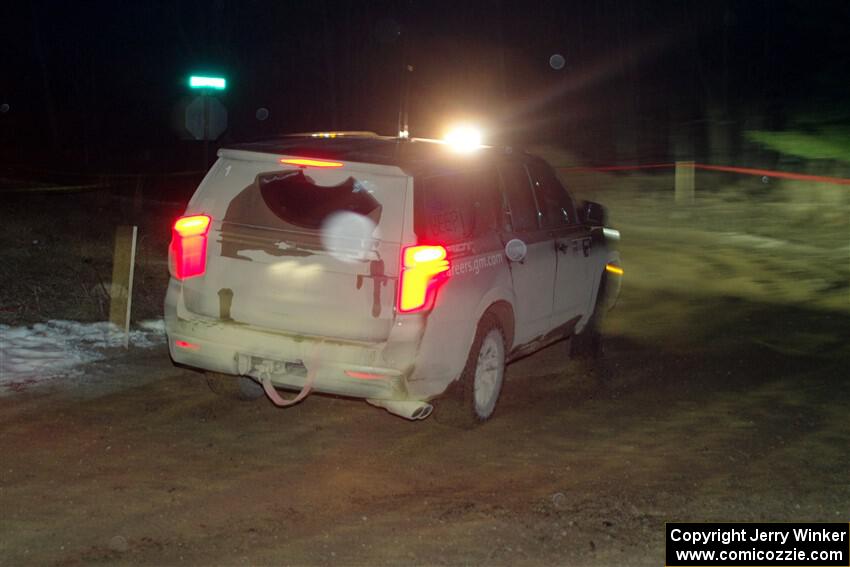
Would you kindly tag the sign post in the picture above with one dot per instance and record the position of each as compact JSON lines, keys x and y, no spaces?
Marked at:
{"x":206,"y":105}
{"x":212,"y":114}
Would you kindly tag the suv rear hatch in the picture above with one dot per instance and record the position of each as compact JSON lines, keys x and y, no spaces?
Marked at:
{"x":310,"y":250}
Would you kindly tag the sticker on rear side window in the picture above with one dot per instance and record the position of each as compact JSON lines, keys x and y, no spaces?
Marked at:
{"x":448,"y":224}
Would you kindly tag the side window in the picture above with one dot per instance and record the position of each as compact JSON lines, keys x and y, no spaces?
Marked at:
{"x":458,"y":206}
{"x":554,"y":201}
{"x":520,"y":202}
{"x":487,"y":199}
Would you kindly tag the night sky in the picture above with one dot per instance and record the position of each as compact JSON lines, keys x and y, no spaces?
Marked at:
{"x":103,"y":83}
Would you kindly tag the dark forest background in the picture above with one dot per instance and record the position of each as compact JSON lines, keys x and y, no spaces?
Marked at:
{"x":102,"y":85}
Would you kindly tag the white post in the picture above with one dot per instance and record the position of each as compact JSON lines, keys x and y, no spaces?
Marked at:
{"x":685,"y":182}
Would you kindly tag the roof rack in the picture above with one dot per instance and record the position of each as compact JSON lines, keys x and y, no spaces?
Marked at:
{"x":335,"y":134}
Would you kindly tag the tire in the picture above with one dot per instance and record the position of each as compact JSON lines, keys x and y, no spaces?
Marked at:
{"x":473,"y":399}
{"x":587,"y":345}
{"x":235,"y":387}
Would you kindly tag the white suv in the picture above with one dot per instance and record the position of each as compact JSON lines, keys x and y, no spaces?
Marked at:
{"x":382,"y":268}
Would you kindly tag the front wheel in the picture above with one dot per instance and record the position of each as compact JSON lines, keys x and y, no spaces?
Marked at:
{"x":474,"y":398}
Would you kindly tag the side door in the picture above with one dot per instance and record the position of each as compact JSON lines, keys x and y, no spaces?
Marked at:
{"x":572,"y":243}
{"x":531,"y":254}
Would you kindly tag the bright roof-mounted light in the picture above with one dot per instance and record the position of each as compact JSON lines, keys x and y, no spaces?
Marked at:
{"x":464,"y":138}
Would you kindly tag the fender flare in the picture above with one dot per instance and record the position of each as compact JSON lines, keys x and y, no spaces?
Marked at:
{"x":492,"y":297}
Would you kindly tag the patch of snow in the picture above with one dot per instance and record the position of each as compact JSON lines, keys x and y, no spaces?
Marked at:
{"x":154,"y":326}
{"x":44,"y":351}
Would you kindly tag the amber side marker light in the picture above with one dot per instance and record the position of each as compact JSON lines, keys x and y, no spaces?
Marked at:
{"x":308,"y":162}
{"x":614,"y":269}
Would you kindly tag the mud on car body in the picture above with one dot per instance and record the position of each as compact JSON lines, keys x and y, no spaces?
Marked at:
{"x":379,"y":268}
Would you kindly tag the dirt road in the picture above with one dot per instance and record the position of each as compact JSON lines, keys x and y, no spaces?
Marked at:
{"x":145,"y":465}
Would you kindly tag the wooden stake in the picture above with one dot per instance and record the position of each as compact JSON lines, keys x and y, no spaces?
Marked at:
{"x":121,"y":288}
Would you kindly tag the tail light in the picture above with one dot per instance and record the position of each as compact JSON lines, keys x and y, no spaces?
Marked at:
{"x":423,"y":270}
{"x":188,"y":250}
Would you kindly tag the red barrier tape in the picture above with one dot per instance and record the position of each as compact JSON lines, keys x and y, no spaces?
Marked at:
{"x":724,"y":168}
{"x":779,"y":174}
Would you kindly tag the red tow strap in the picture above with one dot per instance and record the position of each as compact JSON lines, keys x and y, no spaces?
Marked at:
{"x":312,"y":368}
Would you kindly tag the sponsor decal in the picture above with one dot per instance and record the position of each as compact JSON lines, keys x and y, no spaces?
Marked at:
{"x":475,"y":265}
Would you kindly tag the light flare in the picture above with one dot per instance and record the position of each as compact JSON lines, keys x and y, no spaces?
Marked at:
{"x":464,"y":138}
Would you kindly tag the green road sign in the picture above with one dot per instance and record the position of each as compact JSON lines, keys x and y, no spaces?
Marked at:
{"x":200,"y":82}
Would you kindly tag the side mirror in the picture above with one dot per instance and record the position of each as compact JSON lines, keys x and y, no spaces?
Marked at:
{"x":594,"y":214}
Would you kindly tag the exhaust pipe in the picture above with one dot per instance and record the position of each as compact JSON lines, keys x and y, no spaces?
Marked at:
{"x":412,"y":410}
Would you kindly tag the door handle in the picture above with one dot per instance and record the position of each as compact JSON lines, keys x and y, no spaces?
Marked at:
{"x":561,"y":247}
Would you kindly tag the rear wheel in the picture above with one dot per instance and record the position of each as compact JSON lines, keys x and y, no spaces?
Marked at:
{"x":236,"y":387}
{"x":473,"y":399}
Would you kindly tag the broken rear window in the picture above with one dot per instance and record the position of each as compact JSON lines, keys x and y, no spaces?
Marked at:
{"x":297,"y":200}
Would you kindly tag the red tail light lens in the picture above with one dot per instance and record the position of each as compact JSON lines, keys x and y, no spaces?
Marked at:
{"x":423,"y":270}
{"x":188,"y":250}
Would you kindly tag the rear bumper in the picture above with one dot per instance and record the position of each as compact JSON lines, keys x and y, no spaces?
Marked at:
{"x":234,"y":348}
